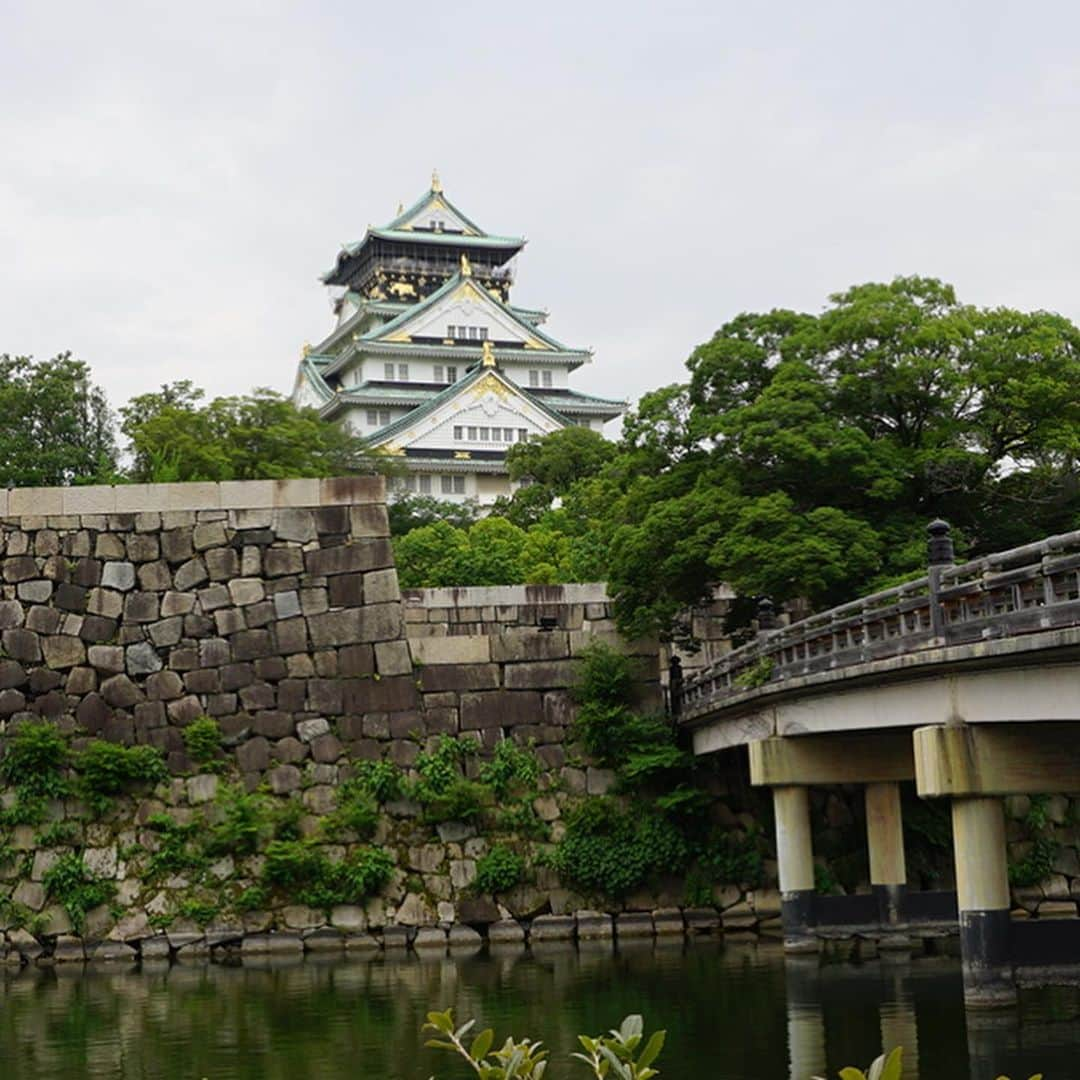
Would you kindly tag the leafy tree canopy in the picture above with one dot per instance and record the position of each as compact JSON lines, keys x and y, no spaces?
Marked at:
{"x":805,"y":454}
{"x":259,"y":436}
{"x":57,"y":426}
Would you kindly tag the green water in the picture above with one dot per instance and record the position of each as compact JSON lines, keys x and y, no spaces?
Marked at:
{"x":736,"y":1012}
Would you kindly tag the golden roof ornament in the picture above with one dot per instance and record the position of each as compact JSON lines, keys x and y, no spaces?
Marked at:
{"x":487,"y":355}
{"x":307,"y":348}
{"x":466,"y":266}
{"x":436,"y":183}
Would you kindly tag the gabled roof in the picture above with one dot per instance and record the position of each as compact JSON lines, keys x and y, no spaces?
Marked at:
{"x":413,"y":226}
{"x":462,"y":286}
{"x":475,"y":375}
{"x":434,"y":202}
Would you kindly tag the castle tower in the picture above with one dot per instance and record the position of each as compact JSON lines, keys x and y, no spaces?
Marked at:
{"x":432,"y":362}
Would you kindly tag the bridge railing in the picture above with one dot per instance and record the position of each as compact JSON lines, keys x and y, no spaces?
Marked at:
{"x":1024,"y":590}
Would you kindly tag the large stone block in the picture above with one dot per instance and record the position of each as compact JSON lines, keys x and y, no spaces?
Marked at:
{"x":63,"y":651}
{"x":208,"y":534}
{"x":11,"y":614}
{"x":459,"y":649}
{"x":369,"y":521}
{"x":381,"y":587}
{"x":335,"y":628}
{"x":290,"y":636}
{"x":500,"y":708}
{"x":281,"y":562}
{"x":22,"y":645}
{"x":350,"y":558}
{"x":542,"y":675}
{"x":294,"y":524}
{"x":522,"y":643}
{"x":393,"y":694}
{"x":119,"y":576}
{"x":190,"y":575}
{"x":346,"y":590}
{"x":459,"y":677}
{"x":393,"y":658}
{"x":251,"y":644}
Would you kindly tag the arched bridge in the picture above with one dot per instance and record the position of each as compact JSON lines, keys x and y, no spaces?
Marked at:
{"x":966,"y":680}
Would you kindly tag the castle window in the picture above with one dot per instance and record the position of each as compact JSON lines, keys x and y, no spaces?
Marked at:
{"x":459,"y":485}
{"x":547,"y":378}
{"x":474,"y":333}
{"x":451,"y":374}
{"x":388,"y":371}
{"x":496,"y":434}
{"x":484,"y":434}
{"x":438,"y":373}
{"x":403,"y":372}
{"x":508,"y":434}
{"x":472,"y":434}
{"x":457,"y":434}
{"x":384,"y":417}
{"x":534,"y":378}
{"x":483,"y":333}
{"x":425,"y":485}
{"x":523,"y":434}
{"x":372,"y":417}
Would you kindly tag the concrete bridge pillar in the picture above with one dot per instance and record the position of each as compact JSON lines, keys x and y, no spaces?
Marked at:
{"x":885,"y":841}
{"x":795,"y":857}
{"x":982,"y":892}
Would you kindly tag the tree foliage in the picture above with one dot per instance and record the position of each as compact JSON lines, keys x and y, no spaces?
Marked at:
{"x":805,"y":454}
{"x":57,"y":426}
{"x":258,"y":436}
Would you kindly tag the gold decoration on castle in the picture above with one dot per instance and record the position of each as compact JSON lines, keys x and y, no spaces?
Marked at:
{"x":487,"y":355}
{"x":436,"y":183}
{"x":307,"y":348}
{"x":462,"y":455}
{"x":466,"y":266}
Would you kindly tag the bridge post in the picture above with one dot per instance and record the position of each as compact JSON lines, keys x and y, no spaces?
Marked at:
{"x":795,"y":857}
{"x":982,"y":892}
{"x":885,"y":840}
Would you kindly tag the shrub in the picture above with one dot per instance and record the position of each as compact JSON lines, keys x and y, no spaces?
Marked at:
{"x":109,"y":768}
{"x":245,"y":822}
{"x":357,"y":811}
{"x":177,"y":852}
{"x":382,"y":778}
{"x":498,"y":871}
{"x":202,"y":912}
{"x":439,"y":768}
{"x":461,"y":801}
{"x":202,"y":739}
{"x":72,"y":885}
{"x":619,"y":1053}
{"x":606,"y":676}
{"x":611,"y":851}
{"x":511,"y":768}
{"x":301,"y":869}
{"x":34,"y":758}
{"x":292,"y":863}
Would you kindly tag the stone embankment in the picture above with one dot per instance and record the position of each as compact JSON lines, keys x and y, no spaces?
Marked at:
{"x":129,"y":614}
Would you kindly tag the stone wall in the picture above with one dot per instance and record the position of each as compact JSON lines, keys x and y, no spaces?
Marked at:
{"x":128,"y":613}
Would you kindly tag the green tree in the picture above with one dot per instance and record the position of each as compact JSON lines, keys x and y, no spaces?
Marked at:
{"x":58,"y":427}
{"x":258,"y":436}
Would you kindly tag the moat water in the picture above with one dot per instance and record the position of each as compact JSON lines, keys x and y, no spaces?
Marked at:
{"x":732,"y":1012}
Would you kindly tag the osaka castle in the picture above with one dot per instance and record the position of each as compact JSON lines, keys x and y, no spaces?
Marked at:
{"x":433,"y":363}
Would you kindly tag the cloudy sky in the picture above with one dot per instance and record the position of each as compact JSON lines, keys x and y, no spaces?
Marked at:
{"x":174,"y":177}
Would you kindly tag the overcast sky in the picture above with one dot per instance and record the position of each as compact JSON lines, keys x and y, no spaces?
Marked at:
{"x":175,"y":177}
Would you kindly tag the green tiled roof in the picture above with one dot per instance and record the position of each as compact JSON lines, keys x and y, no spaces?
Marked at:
{"x":447,"y":286}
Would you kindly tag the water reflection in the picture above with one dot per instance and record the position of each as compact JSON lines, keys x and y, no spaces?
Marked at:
{"x":734,"y":1012}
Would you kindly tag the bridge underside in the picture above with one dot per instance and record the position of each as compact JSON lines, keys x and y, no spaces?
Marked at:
{"x":972,"y":735}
